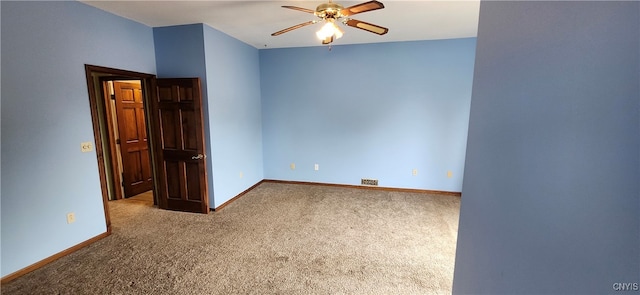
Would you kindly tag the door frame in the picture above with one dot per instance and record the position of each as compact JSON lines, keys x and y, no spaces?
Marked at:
{"x":95,"y":75}
{"x":109,"y":121}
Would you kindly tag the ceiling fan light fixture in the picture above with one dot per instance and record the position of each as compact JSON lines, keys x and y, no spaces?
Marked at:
{"x":328,"y":30}
{"x":338,"y":33}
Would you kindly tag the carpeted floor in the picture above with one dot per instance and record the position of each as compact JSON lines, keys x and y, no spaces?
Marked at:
{"x":276,"y":239}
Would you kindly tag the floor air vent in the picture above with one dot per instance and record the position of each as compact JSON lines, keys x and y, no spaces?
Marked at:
{"x":367,"y":181}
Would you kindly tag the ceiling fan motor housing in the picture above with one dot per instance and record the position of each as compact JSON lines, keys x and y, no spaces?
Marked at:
{"x":328,"y":10}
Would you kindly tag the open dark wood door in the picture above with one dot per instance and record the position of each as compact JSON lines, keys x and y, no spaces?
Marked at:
{"x":176,"y":114}
{"x":132,"y":131}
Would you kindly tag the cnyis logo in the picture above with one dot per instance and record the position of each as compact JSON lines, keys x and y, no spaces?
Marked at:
{"x":626,"y":287}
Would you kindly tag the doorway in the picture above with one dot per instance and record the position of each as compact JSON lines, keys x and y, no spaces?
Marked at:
{"x":171,"y":110}
{"x":110,"y":130}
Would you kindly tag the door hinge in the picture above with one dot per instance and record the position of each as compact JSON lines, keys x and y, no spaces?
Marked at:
{"x":122,"y":179}
{"x":113,"y":96}
{"x":117,"y":140}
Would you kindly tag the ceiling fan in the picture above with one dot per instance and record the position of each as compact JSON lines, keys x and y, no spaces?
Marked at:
{"x":330,"y":13}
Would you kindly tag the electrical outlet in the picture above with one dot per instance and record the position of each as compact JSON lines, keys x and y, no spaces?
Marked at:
{"x":316,"y":167}
{"x":414,"y":172}
{"x":292,"y":166}
{"x":449,"y":174}
{"x":241,"y":174}
{"x":71,"y":218}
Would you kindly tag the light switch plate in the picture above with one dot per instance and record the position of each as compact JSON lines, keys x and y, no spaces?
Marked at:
{"x":86,"y":146}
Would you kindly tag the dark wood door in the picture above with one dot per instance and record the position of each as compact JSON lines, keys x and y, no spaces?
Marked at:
{"x":132,"y":133}
{"x":176,"y":110}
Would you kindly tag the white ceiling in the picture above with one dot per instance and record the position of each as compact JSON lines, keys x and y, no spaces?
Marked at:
{"x":253,"y":21}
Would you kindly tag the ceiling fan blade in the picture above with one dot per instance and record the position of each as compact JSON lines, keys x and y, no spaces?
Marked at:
{"x":362,"y":7}
{"x":327,"y":40}
{"x":367,"y":26}
{"x":300,"y":9}
{"x":311,"y":22}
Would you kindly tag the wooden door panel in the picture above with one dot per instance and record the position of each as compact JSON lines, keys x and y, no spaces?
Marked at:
{"x":183,"y":181}
{"x":189,"y":130}
{"x":127,"y":94}
{"x":145,"y":162}
{"x":134,"y":149}
{"x":192,"y":172}
{"x":165,"y":94}
{"x":142,"y":132}
{"x":186,"y":94}
{"x":177,"y":113}
{"x":172,"y":170}
{"x":131,"y":133}
{"x":168,"y":125}
{"x":133,"y":163}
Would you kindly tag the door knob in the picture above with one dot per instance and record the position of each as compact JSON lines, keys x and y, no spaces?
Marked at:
{"x":197,"y":157}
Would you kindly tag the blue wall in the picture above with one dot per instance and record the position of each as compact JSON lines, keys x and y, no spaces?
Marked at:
{"x":368,"y":111}
{"x":550,"y":201}
{"x":235,"y":124}
{"x":180,"y":52}
{"x":45,"y":117}
{"x":230,"y":78}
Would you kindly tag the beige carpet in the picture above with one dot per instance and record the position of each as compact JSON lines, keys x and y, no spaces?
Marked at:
{"x":277,"y":239}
